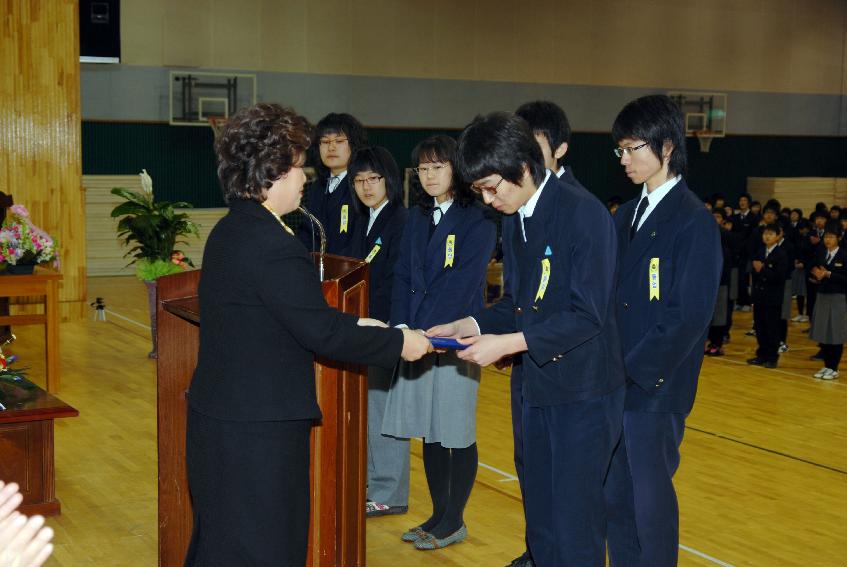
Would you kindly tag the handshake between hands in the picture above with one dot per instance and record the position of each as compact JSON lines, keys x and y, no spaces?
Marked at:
{"x":482,"y":349}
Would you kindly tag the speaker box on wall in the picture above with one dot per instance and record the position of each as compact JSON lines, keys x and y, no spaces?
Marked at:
{"x":99,"y":31}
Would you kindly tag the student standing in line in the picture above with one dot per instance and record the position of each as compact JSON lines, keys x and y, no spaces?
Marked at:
{"x":830,"y":277}
{"x":440,"y":276}
{"x":770,"y":264}
{"x":720,"y":320}
{"x":378,"y":198}
{"x":668,"y":276}
{"x":786,"y":242}
{"x":743,"y":223}
{"x":557,"y":319}
{"x":329,"y":197}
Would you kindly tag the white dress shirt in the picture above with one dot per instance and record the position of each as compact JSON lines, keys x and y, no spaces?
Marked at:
{"x":440,"y":210}
{"x":373,"y":213}
{"x":529,"y":207}
{"x":654,"y":198}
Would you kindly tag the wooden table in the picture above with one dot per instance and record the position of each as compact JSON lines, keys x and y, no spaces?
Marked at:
{"x":26,"y":443}
{"x":43,"y":282}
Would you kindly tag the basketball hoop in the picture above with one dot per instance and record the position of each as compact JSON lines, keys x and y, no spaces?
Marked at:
{"x":217,"y":123}
{"x":705,"y":138}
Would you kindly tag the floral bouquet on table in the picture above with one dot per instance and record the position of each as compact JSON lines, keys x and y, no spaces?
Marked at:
{"x":152,"y":230}
{"x":21,"y":242}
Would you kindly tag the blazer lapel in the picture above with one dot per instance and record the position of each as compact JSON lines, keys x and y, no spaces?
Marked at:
{"x":652,"y":229}
{"x":435,"y":250}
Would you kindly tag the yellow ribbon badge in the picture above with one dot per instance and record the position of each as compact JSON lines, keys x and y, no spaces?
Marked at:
{"x":545,"y":279}
{"x":450,"y":250}
{"x":654,"y":279}
{"x":374,"y":250}
{"x":344,"y":217}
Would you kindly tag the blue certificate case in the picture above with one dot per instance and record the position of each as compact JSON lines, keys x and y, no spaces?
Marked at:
{"x":442,"y":342}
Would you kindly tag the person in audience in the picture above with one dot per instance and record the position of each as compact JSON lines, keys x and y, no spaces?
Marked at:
{"x":24,"y":542}
{"x":798,"y":275}
{"x":720,"y":320}
{"x":786,"y":243}
{"x":834,"y":212}
{"x":744,"y":223}
{"x":770,"y":264}
{"x":378,"y":198}
{"x":829,"y":274}
{"x":440,"y":276}
{"x":330,"y":198}
{"x":252,"y":399}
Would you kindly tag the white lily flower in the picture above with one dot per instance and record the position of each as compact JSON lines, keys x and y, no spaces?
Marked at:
{"x":146,"y":183}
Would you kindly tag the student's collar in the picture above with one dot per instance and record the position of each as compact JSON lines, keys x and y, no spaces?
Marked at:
{"x":769,"y":249}
{"x":339,"y":178}
{"x":655,"y":197}
{"x":443,"y":206}
{"x":375,"y":212}
{"x":560,"y":172}
{"x":529,"y":207}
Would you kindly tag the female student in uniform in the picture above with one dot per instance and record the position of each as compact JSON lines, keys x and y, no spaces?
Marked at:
{"x":252,"y":402}
{"x":829,"y":274}
{"x":440,"y":277}
{"x":378,"y":202}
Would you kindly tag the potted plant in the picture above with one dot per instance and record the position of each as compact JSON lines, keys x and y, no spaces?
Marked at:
{"x":23,"y":245}
{"x":152,"y":230}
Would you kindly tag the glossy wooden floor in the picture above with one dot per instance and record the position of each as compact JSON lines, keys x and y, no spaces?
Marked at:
{"x":763,"y":479}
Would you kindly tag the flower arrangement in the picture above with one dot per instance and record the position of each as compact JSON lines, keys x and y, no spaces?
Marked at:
{"x":21,"y":242}
{"x":151,"y":229}
{"x":6,"y":370}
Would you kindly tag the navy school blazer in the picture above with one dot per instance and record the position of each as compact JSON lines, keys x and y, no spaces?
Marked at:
{"x":328,"y":208}
{"x":663,"y":336}
{"x":387,"y":231}
{"x":427,"y":291}
{"x":837,"y":281}
{"x":769,"y":282}
{"x":574,"y":350}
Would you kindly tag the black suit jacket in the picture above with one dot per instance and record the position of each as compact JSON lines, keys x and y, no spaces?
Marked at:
{"x":769,"y":283}
{"x":388,"y":231}
{"x":837,"y":280}
{"x":264,"y":318}
{"x":328,"y":208}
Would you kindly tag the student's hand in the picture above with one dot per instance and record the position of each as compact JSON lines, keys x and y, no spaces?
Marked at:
{"x":368,"y":322}
{"x":456,"y":330}
{"x":758,"y":265}
{"x":487,"y":349}
{"x":819,"y":273}
{"x":24,"y":542}
{"x":415,"y":345}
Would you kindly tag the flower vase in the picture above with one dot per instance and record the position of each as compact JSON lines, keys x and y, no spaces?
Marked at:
{"x":20,"y":269}
{"x":151,"y":305}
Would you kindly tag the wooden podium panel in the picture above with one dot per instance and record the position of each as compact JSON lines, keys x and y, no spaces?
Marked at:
{"x":338,"y":442}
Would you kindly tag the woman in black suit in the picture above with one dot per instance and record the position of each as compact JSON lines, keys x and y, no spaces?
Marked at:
{"x":252,"y":399}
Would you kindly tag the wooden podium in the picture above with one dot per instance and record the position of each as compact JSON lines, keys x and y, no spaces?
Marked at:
{"x":338,"y":442}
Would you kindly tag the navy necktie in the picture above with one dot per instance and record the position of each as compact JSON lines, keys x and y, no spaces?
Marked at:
{"x":642,"y":206}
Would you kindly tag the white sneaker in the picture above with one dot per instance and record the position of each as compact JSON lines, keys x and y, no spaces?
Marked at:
{"x":830,"y":375}
{"x":783,"y":348}
{"x":797,"y":319}
{"x":821,"y":372}
{"x":804,"y":318}
{"x":746,"y":308}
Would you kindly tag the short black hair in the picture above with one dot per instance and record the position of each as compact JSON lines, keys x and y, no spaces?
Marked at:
{"x":380,"y":161}
{"x":547,"y":118}
{"x":773,"y":227}
{"x":798,"y":211}
{"x":439,"y":149}
{"x":821,"y":206}
{"x":833,"y":227}
{"x":338,"y":123}
{"x":654,"y":119}
{"x":774,"y":204}
{"x":499,"y":143}
{"x":720,"y":212}
{"x":745,"y":196}
{"x":835,"y":208}
{"x":770,"y":207}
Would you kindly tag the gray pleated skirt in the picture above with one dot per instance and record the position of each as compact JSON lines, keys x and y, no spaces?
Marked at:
{"x":798,"y":282}
{"x":786,"y":303}
{"x":829,"y":323}
{"x":733,"y":284}
{"x":721,"y":307}
{"x":434,"y":398}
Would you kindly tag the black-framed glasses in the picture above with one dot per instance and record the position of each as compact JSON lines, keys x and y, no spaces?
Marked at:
{"x":327,"y":142}
{"x":372,"y":180}
{"x":620,"y":152}
{"x":491,"y":190}
{"x":425,"y":170}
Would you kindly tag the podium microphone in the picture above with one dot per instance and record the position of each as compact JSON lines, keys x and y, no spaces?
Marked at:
{"x":322,"y":234}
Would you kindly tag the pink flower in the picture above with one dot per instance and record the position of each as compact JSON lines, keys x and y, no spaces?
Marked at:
{"x":19,"y":210}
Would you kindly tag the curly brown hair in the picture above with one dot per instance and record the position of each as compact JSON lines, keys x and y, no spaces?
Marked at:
{"x":258,"y":145}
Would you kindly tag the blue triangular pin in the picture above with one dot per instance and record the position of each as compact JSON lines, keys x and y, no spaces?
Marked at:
{"x":548,"y":252}
{"x":379,"y":240}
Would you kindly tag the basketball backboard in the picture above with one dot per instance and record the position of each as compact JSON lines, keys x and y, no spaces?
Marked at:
{"x":196,"y":96}
{"x":705,"y":113}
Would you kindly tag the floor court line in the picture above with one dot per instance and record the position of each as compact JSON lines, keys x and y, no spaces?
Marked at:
{"x":777,"y":370}
{"x":506,"y":476}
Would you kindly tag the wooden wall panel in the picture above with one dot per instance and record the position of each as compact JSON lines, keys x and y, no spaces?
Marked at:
{"x":799,"y":192}
{"x":40,"y":161}
{"x":105,"y":255}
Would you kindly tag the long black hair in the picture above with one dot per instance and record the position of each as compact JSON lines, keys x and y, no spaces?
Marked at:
{"x":439,"y":149}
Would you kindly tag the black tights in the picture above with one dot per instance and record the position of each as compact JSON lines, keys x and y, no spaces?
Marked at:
{"x":832,"y":355}
{"x":450,"y":474}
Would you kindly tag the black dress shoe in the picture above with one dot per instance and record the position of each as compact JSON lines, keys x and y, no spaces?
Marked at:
{"x":523,"y":561}
{"x":756,"y":361}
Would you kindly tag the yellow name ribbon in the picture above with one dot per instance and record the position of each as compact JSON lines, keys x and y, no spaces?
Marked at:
{"x":450,"y":250}
{"x":373,"y":253}
{"x":545,"y":279}
{"x":654,"y":279}
{"x":344,"y":218}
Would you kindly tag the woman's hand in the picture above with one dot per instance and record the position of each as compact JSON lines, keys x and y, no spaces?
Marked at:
{"x":368,"y":322}
{"x":456,"y":330}
{"x":415,"y":345}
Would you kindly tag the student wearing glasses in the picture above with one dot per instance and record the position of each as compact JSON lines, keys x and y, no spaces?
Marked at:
{"x":329,"y":197}
{"x":557,"y":318}
{"x":669,"y":269}
{"x":377,"y":200}
{"x":440,"y":276}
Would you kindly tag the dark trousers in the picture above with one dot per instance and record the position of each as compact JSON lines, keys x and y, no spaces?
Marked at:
{"x":249,"y":485}
{"x":643,"y":513}
{"x":743,"y":286}
{"x":766,"y":321}
{"x":832,"y":355}
{"x":567,"y":449}
{"x":516,"y":385}
{"x":811,"y":297}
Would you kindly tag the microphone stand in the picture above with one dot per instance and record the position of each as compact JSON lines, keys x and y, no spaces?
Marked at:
{"x":322,"y":234}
